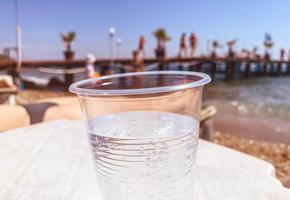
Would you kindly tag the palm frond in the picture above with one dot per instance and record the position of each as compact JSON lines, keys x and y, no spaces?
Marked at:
{"x":161,"y":35}
{"x":69,"y":37}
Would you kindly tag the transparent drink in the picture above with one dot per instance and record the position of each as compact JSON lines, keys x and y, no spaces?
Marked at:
{"x":143,"y":132}
{"x":146,"y":154}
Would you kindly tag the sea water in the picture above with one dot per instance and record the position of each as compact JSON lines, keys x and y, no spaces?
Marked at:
{"x":145,"y":155}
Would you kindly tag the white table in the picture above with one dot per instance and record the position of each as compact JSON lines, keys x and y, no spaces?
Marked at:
{"x":51,"y":161}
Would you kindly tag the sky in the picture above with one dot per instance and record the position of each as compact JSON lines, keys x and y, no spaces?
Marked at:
{"x":42,"y":21}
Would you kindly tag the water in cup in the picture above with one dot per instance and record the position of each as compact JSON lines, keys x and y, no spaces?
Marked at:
{"x":145,"y":155}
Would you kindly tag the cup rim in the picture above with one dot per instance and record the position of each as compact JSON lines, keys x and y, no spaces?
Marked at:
{"x":75,"y":87}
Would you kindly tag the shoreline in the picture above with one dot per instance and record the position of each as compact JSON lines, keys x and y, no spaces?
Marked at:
{"x":237,"y":121}
{"x":241,"y":132}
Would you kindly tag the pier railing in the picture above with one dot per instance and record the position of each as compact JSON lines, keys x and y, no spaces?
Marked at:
{"x":227,"y":68}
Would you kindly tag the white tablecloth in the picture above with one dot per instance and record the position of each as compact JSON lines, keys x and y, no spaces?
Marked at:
{"x":51,"y":161}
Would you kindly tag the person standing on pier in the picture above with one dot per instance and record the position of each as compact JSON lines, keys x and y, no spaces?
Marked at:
{"x":231,"y":52}
{"x":193,"y":44}
{"x":90,"y":62}
{"x":215,"y":45}
{"x":141,"y":46}
{"x":255,"y":52}
{"x":137,"y":61}
{"x":183,"y":47}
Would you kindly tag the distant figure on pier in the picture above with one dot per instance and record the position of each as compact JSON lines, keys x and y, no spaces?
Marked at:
{"x":255,"y":52}
{"x":215,"y":45}
{"x":231,"y":44}
{"x":282,"y":54}
{"x":245,"y":53}
{"x":137,"y":61}
{"x":193,"y":44}
{"x":182,"y":46}
{"x":90,"y":62}
{"x":141,"y":46}
{"x":137,"y":64}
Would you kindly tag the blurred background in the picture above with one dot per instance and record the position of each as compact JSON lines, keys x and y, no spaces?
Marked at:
{"x":243,"y":45}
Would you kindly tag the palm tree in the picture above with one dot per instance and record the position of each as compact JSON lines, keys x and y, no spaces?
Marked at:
{"x":162,"y":38}
{"x":67,"y":40}
{"x":231,"y":43}
{"x":245,"y":53}
{"x":268,"y":44}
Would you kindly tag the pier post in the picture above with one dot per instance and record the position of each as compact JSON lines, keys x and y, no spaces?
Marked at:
{"x":265,"y":65}
{"x":248,"y":70}
{"x":180,"y":67}
{"x":213,"y":70}
{"x":279,"y":67}
{"x":103,"y":70}
{"x":68,"y":78}
{"x":230,"y":70}
{"x":191,"y":67}
{"x":162,"y":64}
{"x":122,"y":70}
{"x":199,"y":67}
{"x":257,"y":68}
{"x":288,"y":68}
{"x":272,"y":68}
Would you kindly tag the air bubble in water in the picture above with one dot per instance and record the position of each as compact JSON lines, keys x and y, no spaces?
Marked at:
{"x":143,"y":156}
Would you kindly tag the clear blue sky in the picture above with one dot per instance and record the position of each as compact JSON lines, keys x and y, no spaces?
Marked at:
{"x":43,"y":21}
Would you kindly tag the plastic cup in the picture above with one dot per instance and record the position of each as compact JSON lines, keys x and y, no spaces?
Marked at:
{"x":143,"y":132}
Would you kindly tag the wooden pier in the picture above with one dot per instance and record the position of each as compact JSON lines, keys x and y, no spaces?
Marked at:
{"x":227,"y":68}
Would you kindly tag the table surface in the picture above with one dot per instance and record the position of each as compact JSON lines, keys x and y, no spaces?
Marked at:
{"x":51,"y":161}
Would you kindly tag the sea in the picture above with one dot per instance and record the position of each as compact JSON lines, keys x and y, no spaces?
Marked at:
{"x":257,"y":107}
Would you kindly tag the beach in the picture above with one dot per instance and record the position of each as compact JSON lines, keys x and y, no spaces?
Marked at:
{"x":257,"y":108}
{"x":252,"y":117}
{"x":210,"y":91}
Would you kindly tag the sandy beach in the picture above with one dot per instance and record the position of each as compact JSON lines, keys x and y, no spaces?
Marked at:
{"x":253,"y":117}
{"x":246,"y":126}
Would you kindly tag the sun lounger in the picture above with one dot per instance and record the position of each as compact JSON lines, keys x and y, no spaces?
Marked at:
{"x":13,"y":117}
{"x":7,"y":89}
{"x":68,"y":108}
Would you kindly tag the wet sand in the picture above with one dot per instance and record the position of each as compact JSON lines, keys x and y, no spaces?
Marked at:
{"x":262,"y":128}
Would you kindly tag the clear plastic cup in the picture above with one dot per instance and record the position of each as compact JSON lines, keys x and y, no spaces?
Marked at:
{"x":143,"y":132}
